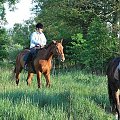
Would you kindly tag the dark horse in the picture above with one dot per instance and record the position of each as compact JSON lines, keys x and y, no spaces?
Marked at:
{"x":114,"y":85}
{"x":41,"y":63}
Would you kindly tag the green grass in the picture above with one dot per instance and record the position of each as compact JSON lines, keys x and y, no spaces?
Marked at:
{"x":74,"y":95}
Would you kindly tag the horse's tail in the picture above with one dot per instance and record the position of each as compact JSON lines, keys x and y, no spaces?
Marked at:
{"x":108,"y":68}
{"x":14,"y":71}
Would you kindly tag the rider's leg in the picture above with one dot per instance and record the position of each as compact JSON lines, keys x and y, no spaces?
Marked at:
{"x":27,"y":60}
{"x":30,"y":57}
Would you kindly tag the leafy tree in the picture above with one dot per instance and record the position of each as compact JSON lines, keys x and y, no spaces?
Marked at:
{"x":76,"y":14}
{"x":100,"y":46}
{"x":20,"y":35}
{"x":11,"y":4}
{"x":50,"y":16}
{"x":71,"y":17}
{"x":19,"y":39}
{"x":76,"y":48}
{"x":3,"y":43}
{"x":12,"y":51}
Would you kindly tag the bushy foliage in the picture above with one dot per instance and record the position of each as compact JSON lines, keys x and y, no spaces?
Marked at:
{"x":96,"y":51}
{"x":13,"y":51}
{"x":3,"y":42}
{"x":11,"y":4}
{"x":21,"y":35}
{"x":100,"y":46}
{"x":76,"y":48}
{"x":87,"y":39}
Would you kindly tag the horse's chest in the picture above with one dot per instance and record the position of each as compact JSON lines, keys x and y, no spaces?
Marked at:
{"x":45,"y":67}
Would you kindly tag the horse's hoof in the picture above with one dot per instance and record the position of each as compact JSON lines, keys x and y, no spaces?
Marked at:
{"x":48,"y":86}
{"x":17,"y":84}
{"x":116,"y":116}
{"x":39,"y":87}
{"x":28,"y":84}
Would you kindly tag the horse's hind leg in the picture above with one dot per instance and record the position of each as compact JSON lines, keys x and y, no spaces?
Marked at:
{"x":18,"y":75}
{"x":111,"y":97}
{"x":29,"y":78}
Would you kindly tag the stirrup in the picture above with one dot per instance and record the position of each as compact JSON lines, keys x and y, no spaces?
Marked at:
{"x":26,"y":67}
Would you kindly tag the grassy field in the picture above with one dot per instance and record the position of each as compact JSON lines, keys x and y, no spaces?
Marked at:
{"x":74,"y":95}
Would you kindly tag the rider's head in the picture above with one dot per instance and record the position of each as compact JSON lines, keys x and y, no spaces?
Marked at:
{"x":39,"y":27}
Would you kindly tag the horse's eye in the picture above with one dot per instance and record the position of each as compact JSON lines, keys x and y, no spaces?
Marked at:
{"x":57,"y":49}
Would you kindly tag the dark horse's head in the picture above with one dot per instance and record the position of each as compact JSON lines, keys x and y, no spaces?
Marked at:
{"x":58,"y":50}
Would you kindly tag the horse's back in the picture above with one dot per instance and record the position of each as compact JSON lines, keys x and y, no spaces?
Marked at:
{"x":20,"y":57}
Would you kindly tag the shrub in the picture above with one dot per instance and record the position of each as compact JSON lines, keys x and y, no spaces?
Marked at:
{"x":13,"y":51}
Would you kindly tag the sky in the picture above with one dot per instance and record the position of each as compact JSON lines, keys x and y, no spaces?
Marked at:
{"x":20,"y":14}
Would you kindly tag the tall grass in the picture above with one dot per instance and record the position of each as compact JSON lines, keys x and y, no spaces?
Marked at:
{"x":74,"y":95}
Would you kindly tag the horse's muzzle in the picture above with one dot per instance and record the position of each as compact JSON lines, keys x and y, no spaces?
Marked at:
{"x":62,"y":58}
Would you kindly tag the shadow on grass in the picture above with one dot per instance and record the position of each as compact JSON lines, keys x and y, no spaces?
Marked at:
{"x":102,"y":102}
{"x":40,"y":99}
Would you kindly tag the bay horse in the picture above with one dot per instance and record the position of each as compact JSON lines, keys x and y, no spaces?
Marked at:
{"x":113,"y":75}
{"x":42,"y":62}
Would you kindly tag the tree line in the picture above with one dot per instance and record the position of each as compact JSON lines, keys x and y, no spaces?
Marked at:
{"x":90,"y":31}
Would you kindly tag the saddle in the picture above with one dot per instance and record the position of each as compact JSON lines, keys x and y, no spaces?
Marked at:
{"x":30,"y":56}
{"x":29,"y":59}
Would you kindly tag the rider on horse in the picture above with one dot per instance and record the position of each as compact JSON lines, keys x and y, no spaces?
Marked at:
{"x":37,"y":41}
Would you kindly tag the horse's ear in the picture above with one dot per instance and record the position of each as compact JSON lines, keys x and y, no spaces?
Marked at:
{"x":61,"y":40}
{"x":54,"y":41}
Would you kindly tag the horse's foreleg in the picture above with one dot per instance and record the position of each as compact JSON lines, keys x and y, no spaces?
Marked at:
{"x":47,"y":77}
{"x":117,"y":103}
{"x":110,"y":96}
{"x":29,"y":78}
{"x":39,"y":79}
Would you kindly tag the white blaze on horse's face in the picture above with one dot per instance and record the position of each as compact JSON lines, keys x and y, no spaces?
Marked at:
{"x":59,"y":50}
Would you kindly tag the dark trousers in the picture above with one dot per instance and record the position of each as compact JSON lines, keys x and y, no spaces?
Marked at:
{"x":32,"y":54}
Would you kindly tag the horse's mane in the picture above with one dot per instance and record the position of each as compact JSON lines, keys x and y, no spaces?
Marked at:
{"x":48,"y":45}
{"x":45,"y":47}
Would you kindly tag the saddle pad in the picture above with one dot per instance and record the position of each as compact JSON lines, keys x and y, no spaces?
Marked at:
{"x":26,"y":56}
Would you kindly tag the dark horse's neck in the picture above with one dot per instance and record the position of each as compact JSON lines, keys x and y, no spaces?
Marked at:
{"x":47,"y":52}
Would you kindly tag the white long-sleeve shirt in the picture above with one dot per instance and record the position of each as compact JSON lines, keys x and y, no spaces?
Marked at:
{"x":37,"y":39}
